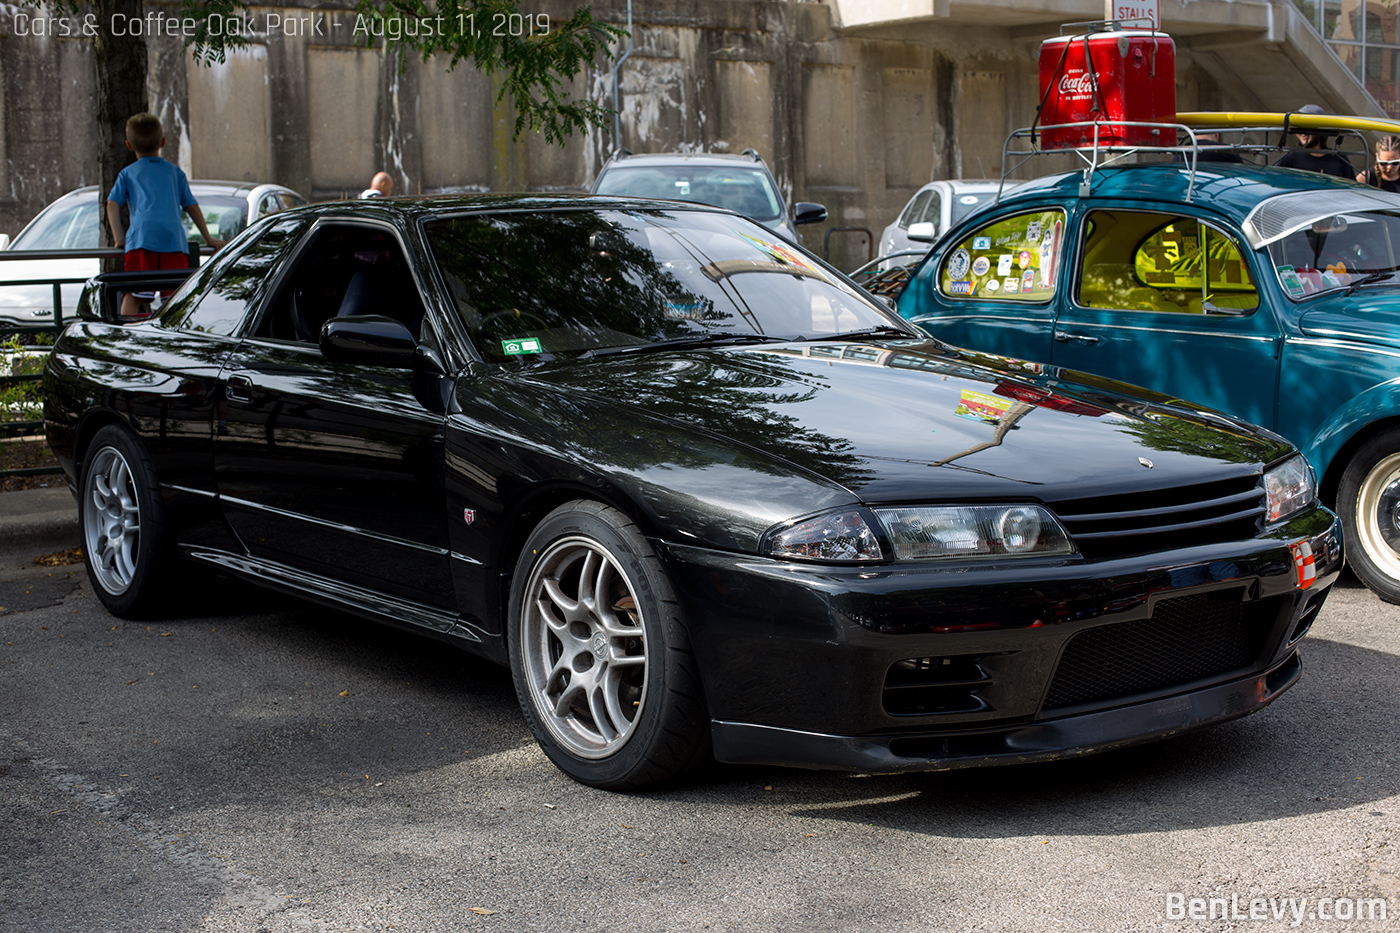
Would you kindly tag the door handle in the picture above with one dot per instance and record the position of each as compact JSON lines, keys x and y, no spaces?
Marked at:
{"x":1085,"y":339}
{"x":238,"y":388}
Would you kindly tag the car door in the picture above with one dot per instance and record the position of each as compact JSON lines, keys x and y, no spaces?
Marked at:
{"x":336,"y":469}
{"x":1168,"y":301}
{"x":994,"y":289}
{"x":174,"y":378}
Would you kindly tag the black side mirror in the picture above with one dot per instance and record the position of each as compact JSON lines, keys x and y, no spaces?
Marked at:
{"x":368,"y":338}
{"x":805,"y":212}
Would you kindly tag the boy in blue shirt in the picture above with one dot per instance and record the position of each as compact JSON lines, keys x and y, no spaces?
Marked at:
{"x":156,"y":192}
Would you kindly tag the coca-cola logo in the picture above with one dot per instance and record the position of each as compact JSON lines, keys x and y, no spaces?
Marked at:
{"x":1076,"y":84}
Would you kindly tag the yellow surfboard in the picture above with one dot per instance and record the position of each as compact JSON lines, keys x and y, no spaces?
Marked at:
{"x":1206,"y":120}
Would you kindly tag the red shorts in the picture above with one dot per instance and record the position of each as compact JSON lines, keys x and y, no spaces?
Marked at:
{"x":145,"y":260}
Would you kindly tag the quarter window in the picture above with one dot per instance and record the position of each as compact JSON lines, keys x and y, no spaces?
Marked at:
{"x":223,"y":307}
{"x":1013,"y":259}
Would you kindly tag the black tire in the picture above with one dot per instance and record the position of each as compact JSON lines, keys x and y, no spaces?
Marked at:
{"x":609,"y":687}
{"x":126,"y":546}
{"x":1368,"y":501}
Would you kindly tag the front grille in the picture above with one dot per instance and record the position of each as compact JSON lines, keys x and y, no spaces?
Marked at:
{"x":1188,"y":638}
{"x":1164,"y":519}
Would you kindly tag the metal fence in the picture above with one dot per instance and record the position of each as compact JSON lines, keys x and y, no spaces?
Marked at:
{"x":26,"y":364}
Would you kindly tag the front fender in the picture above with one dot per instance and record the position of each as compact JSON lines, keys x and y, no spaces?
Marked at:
{"x":1379,"y":403}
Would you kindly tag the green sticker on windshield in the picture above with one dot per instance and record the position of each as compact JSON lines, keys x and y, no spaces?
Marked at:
{"x":521,"y":345}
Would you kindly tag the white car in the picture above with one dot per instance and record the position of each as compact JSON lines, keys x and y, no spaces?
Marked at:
{"x":71,"y":222}
{"x":941,"y":203}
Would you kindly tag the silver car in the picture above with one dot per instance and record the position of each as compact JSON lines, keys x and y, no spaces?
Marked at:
{"x":71,"y":223}
{"x":941,"y":203}
{"x":741,"y":183}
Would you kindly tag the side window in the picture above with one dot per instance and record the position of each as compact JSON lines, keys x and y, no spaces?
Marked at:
{"x":932,"y":210}
{"x":916,"y":210}
{"x":345,"y":270}
{"x":1011,"y":259}
{"x":1178,"y":265}
{"x":222,"y":307}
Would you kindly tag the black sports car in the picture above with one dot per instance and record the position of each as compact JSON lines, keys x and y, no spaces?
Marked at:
{"x":702,"y":494}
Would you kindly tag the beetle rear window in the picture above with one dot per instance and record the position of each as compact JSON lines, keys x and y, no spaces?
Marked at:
{"x":1013,"y":259}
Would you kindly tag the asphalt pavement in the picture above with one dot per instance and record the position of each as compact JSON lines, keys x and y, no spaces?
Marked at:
{"x":254,"y":764}
{"x":38,"y":519}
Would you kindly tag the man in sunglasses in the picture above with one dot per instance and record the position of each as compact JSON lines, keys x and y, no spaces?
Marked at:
{"x":1385,"y":174}
{"x":1315,"y":156}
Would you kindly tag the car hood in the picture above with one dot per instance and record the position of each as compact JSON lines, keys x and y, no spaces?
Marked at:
{"x":16,"y":298}
{"x":1371,"y":315}
{"x":904,"y":421}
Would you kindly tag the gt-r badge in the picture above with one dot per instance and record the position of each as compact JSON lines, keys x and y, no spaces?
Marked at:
{"x":1145,"y":462}
{"x":469,"y":515}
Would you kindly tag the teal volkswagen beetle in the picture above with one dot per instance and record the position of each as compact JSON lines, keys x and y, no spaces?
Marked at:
{"x":1270,"y":294}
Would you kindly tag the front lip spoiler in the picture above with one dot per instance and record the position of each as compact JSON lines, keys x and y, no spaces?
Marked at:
{"x":1071,"y":736}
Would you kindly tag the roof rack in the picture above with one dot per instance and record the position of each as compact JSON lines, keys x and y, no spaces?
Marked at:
{"x":1101,"y":154}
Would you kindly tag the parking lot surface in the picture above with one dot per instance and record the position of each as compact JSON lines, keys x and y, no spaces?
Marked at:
{"x":261,"y":764}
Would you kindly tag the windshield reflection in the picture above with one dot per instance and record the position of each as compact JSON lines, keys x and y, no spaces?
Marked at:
{"x":557,"y":285}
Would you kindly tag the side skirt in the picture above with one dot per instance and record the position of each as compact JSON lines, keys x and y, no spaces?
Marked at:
{"x":447,"y":626}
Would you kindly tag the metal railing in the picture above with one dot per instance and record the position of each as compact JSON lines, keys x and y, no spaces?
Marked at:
{"x":55,"y":325}
{"x":28,"y":357}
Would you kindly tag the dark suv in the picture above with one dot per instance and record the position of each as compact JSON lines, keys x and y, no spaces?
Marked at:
{"x":741,"y":183}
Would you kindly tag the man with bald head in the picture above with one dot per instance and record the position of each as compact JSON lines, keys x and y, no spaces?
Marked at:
{"x":380,"y":187}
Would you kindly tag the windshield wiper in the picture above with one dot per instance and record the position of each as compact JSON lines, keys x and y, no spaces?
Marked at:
{"x":884,"y":330}
{"x":694,"y":340}
{"x":1373,"y":279}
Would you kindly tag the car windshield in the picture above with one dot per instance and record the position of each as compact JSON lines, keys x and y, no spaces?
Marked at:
{"x":224,"y":216}
{"x":69,"y":224}
{"x":965,"y":202}
{"x":568,"y":284}
{"x":741,"y":189}
{"x":74,"y":224}
{"x":1337,"y":251}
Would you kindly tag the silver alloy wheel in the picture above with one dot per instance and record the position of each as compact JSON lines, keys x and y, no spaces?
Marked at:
{"x":1378,"y":515}
{"x":112,"y":521}
{"x":583,"y":645}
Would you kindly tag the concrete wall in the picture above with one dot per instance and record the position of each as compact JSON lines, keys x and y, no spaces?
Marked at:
{"x":855,"y":122}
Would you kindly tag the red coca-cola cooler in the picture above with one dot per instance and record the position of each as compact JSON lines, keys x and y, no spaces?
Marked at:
{"x":1115,"y":75}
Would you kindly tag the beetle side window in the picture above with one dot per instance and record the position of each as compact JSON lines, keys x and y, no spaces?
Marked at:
{"x":1143,"y":261}
{"x":223,"y":307}
{"x":1013,"y":259}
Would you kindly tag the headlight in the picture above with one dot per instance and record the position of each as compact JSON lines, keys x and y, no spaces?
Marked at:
{"x":1291,"y":487}
{"x":922,"y":532}
{"x":843,"y":536}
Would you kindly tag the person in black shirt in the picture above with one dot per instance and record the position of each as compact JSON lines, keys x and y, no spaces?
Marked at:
{"x":1385,"y":174}
{"x":1315,"y":156}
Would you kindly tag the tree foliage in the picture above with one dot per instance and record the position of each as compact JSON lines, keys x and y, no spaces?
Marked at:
{"x":536,"y":59}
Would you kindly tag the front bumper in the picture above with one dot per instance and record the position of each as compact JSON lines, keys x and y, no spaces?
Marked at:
{"x":923,"y":667}
{"x":1068,"y":737}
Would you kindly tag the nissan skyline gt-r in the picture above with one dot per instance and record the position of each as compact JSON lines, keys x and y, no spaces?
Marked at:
{"x":703,"y":495}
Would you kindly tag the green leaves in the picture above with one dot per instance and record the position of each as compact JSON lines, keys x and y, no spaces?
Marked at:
{"x":536,"y":55}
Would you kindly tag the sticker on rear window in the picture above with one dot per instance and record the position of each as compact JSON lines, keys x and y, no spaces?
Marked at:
{"x":518,"y":346}
{"x":957,"y":265}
